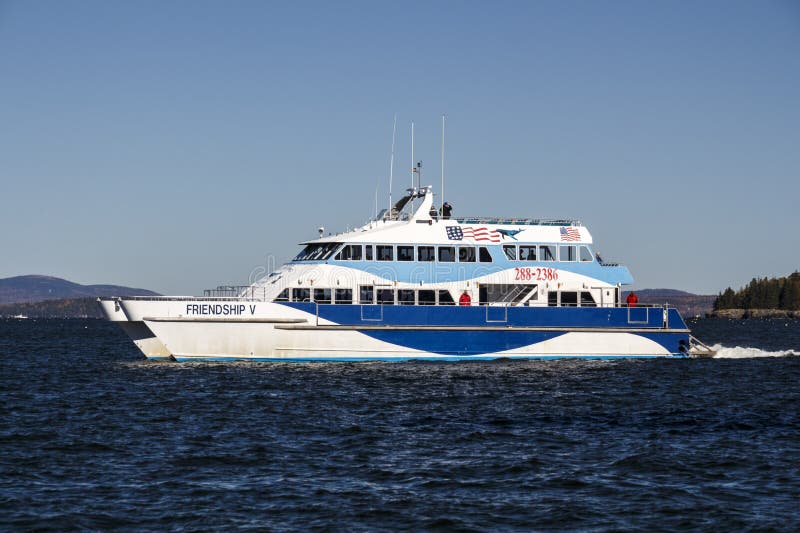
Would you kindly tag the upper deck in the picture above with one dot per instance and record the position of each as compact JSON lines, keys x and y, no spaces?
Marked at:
{"x":407,"y":223}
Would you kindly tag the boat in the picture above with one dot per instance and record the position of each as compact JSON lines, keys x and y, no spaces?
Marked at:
{"x":415,"y":283}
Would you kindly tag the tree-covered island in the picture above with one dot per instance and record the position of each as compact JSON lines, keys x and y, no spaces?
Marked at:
{"x":765,"y":297}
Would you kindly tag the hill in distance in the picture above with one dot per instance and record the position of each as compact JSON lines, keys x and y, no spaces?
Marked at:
{"x":35,"y":288}
{"x":688,"y":304}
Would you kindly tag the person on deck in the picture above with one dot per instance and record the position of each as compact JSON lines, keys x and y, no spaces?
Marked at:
{"x":465,"y":299}
{"x":632,"y":299}
{"x":447,"y":209}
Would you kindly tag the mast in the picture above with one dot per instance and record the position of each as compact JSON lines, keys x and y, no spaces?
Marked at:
{"x":391,"y":165}
{"x":412,"y":166}
{"x":442,"y":202}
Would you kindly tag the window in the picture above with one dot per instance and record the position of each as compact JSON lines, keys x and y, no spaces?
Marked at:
{"x":368,"y":252}
{"x":466,"y":254}
{"x":527,"y":253}
{"x":366,"y":294}
{"x":426,"y":253}
{"x":447,"y":254}
{"x":283,"y":296}
{"x":547,"y":252}
{"x":385,"y":296}
{"x":351,"y":252}
{"x":322,"y":296}
{"x":343,"y":296}
{"x":511,"y":251}
{"x":305,"y":252}
{"x":483,"y":255}
{"x":325,"y":255}
{"x":317,"y":252}
{"x":445,"y":298}
{"x":567,"y":252}
{"x":321,"y":252}
{"x":587,"y":300}
{"x":569,"y":299}
{"x":552,"y":299}
{"x":506,"y":293}
{"x":405,"y":253}
{"x":384,"y":253}
{"x":301,"y":295}
{"x":586,"y":254}
{"x":405,"y":296}
{"x":427,"y":297}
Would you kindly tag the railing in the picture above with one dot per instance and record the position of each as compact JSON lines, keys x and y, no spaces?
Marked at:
{"x":391,"y":215}
{"x":223,"y":293}
{"x":240,"y":292}
{"x":184,"y":298}
{"x":226,"y":291}
{"x":518,"y":221}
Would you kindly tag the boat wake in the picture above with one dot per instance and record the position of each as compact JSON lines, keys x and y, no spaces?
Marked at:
{"x":738,"y":352}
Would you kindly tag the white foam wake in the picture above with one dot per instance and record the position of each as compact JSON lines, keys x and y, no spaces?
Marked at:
{"x":723,"y":352}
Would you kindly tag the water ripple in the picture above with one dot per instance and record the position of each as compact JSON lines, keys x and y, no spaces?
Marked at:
{"x":94,"y":437}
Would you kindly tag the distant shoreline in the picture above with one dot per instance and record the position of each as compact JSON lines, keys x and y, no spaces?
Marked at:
{"x":753,"y":313}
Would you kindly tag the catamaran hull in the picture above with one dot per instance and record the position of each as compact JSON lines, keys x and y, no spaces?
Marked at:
{"x":256,"y":341}
{"x":310,"y":333}
{"x":139,"y":333}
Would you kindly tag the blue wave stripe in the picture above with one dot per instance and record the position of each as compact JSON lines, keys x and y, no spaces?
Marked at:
{"x":478,"y":316}
{"x":461,"y":343}
{"x":483,"y":341}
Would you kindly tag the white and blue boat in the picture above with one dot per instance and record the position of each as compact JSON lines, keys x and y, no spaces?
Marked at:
{"x":414,"y":283}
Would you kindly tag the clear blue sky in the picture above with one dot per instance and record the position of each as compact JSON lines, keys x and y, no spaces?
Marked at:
{"x":176,"y":145}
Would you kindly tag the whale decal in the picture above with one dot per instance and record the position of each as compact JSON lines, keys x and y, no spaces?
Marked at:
{"x":509,"y":233}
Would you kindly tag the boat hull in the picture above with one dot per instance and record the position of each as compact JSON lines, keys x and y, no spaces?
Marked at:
{"x":447,"y":334}
{"x":144,"y":339}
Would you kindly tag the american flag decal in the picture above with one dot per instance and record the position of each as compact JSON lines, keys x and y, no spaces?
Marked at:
{"x":454,"y":233}
{"x":481,"y":234}
{"x":570,"y":234}
{"x":458,"y":233}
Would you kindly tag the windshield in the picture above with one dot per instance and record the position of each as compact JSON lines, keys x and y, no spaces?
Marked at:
{"x":317,"y":252}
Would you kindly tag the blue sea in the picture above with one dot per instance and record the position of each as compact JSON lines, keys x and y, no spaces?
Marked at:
{"x":94,"y":437}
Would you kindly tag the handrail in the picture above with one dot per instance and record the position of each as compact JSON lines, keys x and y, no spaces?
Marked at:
{"x":226,"y":291}
{"x":192,"y":298}
{"x":518,"y":221}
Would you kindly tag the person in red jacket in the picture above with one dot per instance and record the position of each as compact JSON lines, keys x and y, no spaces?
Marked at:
{"x":465,"y":299}
{"x":632,"y":299}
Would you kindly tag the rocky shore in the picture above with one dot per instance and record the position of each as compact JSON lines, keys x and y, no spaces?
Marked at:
{"x":753,"y":313}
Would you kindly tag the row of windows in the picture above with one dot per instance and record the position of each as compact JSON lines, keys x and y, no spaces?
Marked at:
{"x":444,"y":254}
{"x":547,"y":252}
{"x":388,"y":252}
{"x":368,"y":294}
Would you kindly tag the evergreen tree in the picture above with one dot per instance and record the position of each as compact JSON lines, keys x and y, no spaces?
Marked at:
{"x":790,"y":294}
{"x":772,"y":293}
{"x":726,"y":300}
{"x":764,"y":293}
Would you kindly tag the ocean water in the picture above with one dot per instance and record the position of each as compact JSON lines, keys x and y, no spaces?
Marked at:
{"x":92,"y":436}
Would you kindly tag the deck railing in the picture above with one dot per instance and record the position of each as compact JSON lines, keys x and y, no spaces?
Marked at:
{"x":518,"y":221}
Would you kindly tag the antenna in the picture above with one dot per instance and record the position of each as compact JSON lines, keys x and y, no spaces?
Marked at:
{"x":412,"y":166}
{"x":442,"y":159}
{"x":391,"y":165}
